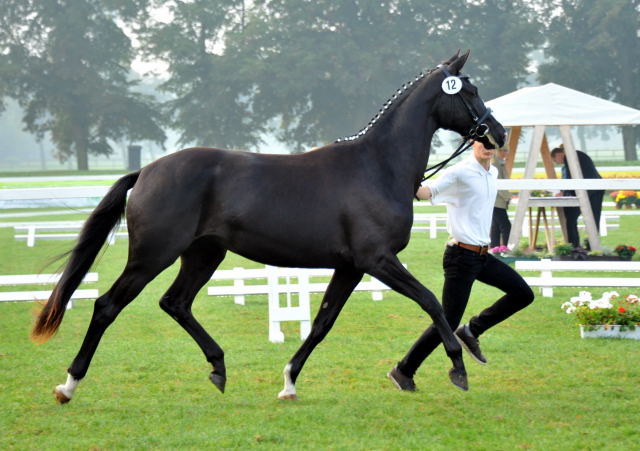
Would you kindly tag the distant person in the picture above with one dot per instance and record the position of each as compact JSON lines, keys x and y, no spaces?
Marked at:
{"x":500,"y":224}
{"x":589,"y":171}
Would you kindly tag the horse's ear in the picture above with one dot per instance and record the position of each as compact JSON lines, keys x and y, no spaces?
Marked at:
{"x":456,"y":66}
{"x":450,"y":60}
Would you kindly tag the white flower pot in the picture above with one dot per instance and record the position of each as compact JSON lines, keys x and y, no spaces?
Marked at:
{"x":609,"y":331}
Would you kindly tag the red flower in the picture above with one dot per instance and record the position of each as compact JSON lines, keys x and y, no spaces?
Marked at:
{"x":621,"y":309}
{"x":632,"y":249}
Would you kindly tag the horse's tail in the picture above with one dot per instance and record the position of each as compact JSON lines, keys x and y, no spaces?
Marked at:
{"x":95,"y":232}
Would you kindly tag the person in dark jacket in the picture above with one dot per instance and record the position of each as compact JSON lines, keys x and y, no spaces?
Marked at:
{"x":589,"y":171}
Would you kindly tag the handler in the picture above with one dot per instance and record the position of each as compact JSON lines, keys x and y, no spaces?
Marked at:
{"x":469,"y":190}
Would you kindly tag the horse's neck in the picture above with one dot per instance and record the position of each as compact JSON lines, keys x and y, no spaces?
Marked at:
{"x":404,"y":139}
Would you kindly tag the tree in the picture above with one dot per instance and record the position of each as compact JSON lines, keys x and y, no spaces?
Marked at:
{"x":210,"y":89}
{"x":594,"y":47}
{"x":67,"y":63}
{"x":502,"y":34}
{"x":311,"y":71}
{"x":323,"y":68}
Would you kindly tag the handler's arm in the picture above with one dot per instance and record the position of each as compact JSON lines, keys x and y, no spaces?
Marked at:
{"x":441,"y":190}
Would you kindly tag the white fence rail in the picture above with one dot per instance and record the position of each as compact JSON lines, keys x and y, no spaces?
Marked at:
{"x":40,"y":295}
{"x":297,"y":281}
{"x":62,"y":230}
{"x":547,"y":280}
{"x":568,"y":184}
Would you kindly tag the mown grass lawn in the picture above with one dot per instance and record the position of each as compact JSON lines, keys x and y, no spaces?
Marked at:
{"x":544,"y":388}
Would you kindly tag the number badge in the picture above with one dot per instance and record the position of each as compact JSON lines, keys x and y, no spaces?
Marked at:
{"x":451,"y":85}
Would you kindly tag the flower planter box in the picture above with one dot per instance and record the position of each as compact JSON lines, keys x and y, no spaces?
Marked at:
{"x":609,"y":331}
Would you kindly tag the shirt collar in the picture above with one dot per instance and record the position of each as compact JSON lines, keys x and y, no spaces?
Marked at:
{"x":476,"y":166}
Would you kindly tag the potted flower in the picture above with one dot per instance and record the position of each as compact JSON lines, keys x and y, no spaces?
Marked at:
{"x":624,"y":252}
{"x":501,"y":251}
{"x":626,"y":199}
{"x":611,"y":316}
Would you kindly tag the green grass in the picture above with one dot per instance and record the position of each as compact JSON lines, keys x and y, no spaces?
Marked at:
{"x":544,"y":388}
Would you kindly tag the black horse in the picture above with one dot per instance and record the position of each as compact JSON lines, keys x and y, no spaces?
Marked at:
{"x":347,"y":205}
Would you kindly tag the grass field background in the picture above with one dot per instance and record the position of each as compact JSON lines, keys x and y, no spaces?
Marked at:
{"x":544,"y":388}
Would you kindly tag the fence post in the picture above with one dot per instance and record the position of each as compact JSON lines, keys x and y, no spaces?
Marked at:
{"x":239,"y":282}
{"x":275,"y":334}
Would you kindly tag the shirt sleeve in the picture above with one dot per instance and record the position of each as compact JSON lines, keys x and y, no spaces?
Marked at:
{"x":443,"y":189}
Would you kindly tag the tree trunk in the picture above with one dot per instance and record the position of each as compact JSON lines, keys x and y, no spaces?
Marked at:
{"x":81,"y":159}
{"x":81,"y":147}
{"x":629,"y":142}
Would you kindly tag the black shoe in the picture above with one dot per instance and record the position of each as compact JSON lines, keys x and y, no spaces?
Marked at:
{"x":401,"y":381}
{"x":469,"y":343}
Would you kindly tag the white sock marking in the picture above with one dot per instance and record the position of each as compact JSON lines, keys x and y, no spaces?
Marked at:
{"x":289,"y":387}
{"x":69,"y":387}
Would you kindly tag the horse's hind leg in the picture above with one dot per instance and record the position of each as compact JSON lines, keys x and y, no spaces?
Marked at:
{"x":341,"y":286}
{"x":199,"y":261}
{"x":105,"y":310}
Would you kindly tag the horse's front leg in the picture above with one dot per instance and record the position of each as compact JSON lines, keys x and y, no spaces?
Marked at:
{"x":391,"y":272}
{"x":341,"y":286}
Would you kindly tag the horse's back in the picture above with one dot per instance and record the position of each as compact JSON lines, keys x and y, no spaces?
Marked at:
{"x":278,"y":209}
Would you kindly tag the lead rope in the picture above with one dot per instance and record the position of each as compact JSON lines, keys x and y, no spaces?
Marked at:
{"x":464,"y":145}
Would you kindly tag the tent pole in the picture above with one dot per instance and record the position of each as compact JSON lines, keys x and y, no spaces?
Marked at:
{"x":514,"y":135}
{"x":523,"y":199}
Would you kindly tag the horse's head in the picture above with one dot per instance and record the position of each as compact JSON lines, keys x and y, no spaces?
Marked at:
{"x":460,"y":108}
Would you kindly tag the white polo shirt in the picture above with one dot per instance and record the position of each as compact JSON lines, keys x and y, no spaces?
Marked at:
{"x":469,"y":191}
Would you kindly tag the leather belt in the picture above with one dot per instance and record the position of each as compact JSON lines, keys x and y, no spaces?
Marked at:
{"x":482,"y":250}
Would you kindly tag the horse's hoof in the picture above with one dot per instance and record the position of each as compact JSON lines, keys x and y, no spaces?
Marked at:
{"x":218,"y":381}
{"x":61,"y":398}
{"x":291,"y":396}
{"x":459,"y":378}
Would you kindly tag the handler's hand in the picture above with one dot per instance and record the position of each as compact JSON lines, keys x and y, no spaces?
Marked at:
{"x":423,"y":193}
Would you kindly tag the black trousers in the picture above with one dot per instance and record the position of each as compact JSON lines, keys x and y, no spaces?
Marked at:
{"x":571,"y":214}
{"x":500,"y":227}
{"x":462,"y":267}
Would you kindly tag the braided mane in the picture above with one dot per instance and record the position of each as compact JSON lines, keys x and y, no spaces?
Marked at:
{"x":401,"y":92}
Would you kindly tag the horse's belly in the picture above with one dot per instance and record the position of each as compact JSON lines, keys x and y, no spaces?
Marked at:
{"x":288,"y":249}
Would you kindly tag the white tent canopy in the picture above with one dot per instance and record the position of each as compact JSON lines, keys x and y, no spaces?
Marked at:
{"x":552,"y":104}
